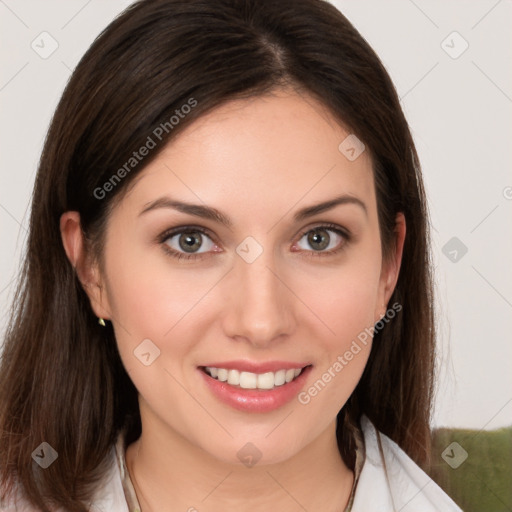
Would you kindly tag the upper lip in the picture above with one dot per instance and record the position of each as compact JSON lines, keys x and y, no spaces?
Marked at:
{"x":256,"y":367}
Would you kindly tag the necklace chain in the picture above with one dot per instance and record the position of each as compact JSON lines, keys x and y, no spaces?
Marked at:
{"x":138,"y":490}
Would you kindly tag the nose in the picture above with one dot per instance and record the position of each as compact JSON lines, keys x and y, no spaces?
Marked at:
{"x":260,"y":307}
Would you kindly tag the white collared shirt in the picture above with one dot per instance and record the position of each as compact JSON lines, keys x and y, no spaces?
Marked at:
{"x":386,"y":480}
{"x":391,"y":482}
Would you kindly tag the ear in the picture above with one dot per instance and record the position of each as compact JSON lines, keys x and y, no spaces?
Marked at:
{"x":87,"y":271}
{"x":391,"y":269}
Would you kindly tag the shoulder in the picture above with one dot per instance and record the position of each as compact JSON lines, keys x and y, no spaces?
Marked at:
{"x":15,"y":501}
{"x":390,"y":481}
{"x":111,"y":496}
{"x":107,"y":498}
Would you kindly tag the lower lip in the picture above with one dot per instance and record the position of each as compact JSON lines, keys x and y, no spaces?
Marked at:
{"x":256,"y":400}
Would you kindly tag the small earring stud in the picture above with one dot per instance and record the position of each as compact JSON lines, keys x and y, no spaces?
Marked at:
{"x":101,"y":322}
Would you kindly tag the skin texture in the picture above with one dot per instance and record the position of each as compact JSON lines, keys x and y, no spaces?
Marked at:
{"x":258,"y":161}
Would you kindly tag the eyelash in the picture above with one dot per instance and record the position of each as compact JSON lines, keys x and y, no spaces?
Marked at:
{"x":313,"y":254}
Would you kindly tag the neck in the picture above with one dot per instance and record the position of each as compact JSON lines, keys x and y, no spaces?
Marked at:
{"x":170,"y":474}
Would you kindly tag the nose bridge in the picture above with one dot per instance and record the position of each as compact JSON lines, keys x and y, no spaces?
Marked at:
{"x":261,"y":306}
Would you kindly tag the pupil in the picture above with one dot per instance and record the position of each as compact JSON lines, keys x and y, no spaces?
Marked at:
{"x":190,"y":241}
{"x":322,"y":240}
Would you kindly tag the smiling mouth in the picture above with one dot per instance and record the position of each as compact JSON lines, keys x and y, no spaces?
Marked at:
{"x":248,"y":380}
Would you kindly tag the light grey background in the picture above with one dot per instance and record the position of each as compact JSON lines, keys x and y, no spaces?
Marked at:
{"x":459,"y":106}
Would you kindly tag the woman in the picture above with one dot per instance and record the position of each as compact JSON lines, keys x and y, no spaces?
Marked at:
{"x":226,"y":301}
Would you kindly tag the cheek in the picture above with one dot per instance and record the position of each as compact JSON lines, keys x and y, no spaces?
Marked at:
{"x":344,"y":302}
{"x":152,"y":309}
{"x":146,"y":293}
{"x":342,"y":298}
{"x":153,"y":299}
{"x":343,"y":348}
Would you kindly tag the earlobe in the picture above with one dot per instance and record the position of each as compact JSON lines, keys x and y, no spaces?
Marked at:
{"x":87,"y":272}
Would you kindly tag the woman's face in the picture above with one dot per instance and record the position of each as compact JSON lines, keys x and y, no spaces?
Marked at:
{"x":255,"y":277}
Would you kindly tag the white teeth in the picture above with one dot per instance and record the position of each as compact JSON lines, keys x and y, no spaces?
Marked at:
{"x":233,"y":377}
{"x":266,"y":380}
{"x":290,"y":374}
{"x":280,"y":378}
{"x":249,"y":380}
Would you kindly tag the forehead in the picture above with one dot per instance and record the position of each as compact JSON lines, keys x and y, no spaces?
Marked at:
{"x":264,"y":152}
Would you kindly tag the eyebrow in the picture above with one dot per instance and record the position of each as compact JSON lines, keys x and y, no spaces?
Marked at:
{"x":211,"y":213}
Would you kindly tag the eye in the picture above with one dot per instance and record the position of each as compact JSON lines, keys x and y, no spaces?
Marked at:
{"x":193,"y":242}
{"x":324,"y":240}
{"x":187,"y":242}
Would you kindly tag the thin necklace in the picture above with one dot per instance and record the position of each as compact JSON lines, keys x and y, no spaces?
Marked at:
{"x":138,"y":490}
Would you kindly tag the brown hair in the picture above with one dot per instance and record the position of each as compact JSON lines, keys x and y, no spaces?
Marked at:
{"x":61,"y":378}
